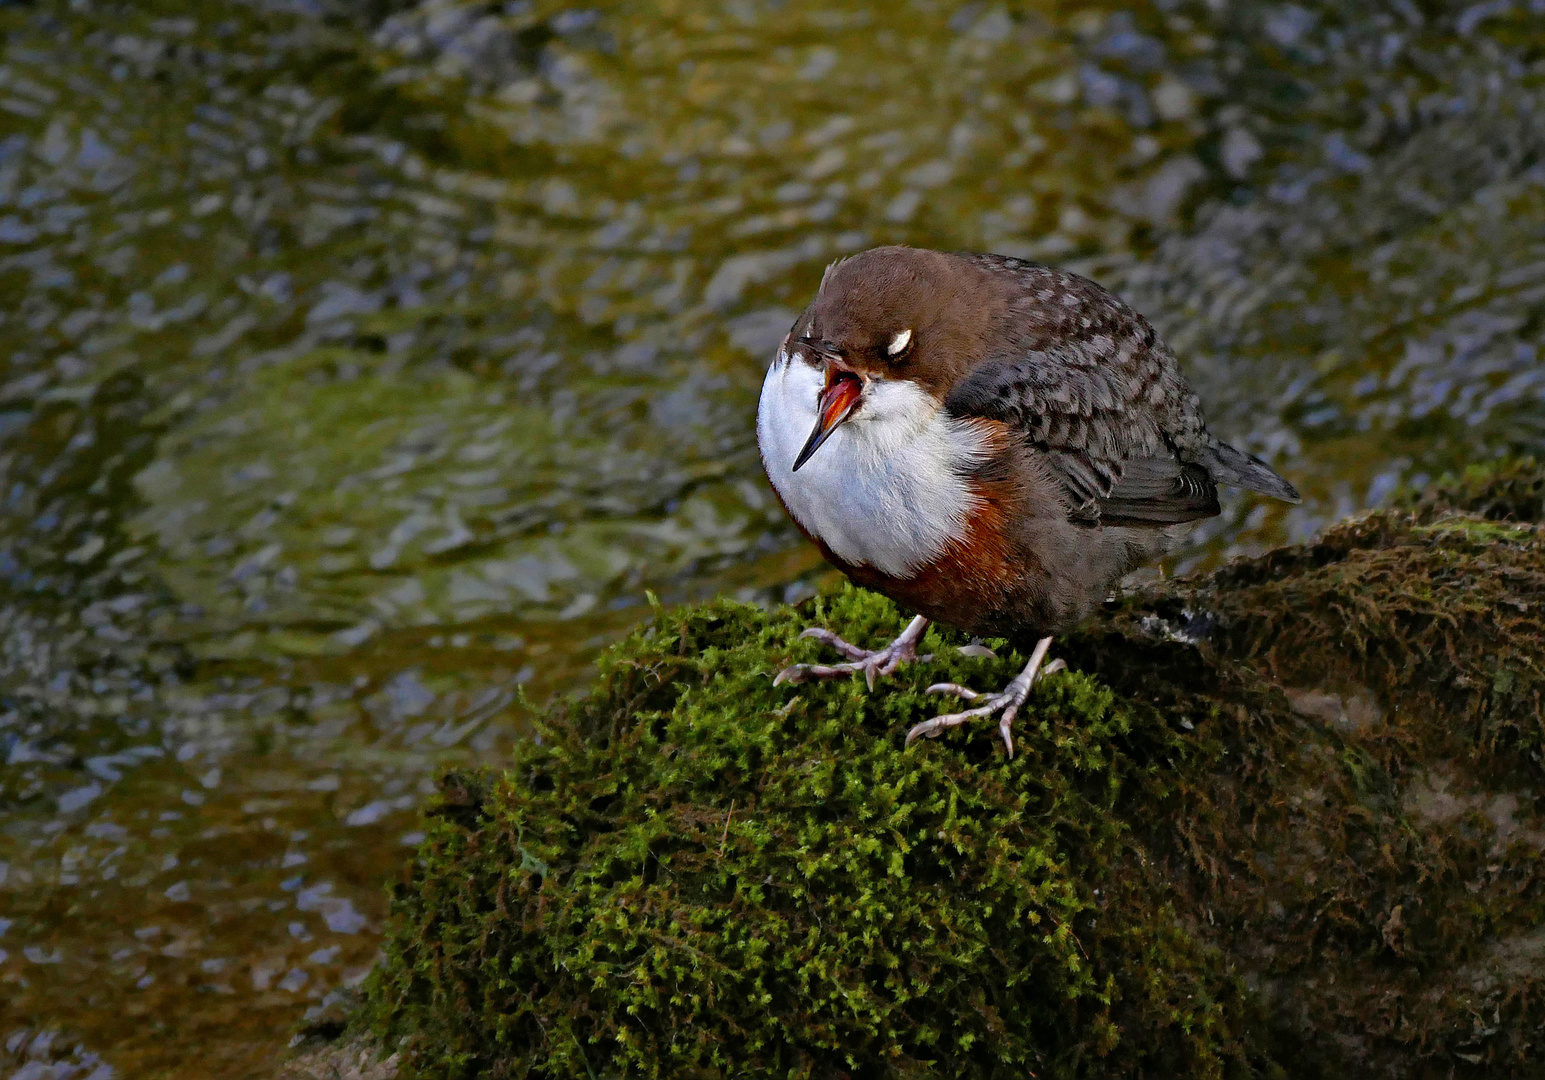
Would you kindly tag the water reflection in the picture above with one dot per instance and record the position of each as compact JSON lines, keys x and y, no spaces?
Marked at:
{"x":364,"y":363}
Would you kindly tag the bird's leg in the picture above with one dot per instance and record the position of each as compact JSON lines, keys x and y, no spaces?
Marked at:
{"x":871,"y":663}
{"x":1006,"y":702}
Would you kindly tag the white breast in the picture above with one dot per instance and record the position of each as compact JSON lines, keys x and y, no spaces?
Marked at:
{"x":886,"y":489}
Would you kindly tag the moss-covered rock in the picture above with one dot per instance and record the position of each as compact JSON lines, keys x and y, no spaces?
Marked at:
{"x":1498,"y":491}
{"x":1278,"y":821}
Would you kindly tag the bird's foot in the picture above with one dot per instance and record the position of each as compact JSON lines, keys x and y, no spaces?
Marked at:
{"x":873,"y":663}
{"x":1005,"y":703}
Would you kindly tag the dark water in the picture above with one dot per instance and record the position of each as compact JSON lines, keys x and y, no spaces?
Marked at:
{"x":362,"y":365}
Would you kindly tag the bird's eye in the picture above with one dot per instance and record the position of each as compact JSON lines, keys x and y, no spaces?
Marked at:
{"x":899,"y":343}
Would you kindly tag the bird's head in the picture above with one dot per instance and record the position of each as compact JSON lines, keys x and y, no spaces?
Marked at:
{"x":887,"y":314}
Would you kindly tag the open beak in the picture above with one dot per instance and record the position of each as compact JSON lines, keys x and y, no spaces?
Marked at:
{"x":843,"y":389}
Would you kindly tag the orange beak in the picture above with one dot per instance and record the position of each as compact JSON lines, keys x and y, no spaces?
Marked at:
{"x":843,"y":389}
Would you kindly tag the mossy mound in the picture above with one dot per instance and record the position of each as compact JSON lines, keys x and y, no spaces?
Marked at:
{"x":740,"y":877}
{"x":1499,"y":491}
{"x":1278,"y":821}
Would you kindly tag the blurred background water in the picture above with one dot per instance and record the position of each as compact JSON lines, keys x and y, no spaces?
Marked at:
{"x":363,"y":362}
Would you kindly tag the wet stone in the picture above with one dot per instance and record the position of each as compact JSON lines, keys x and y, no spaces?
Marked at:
{"x":1349,"y":712}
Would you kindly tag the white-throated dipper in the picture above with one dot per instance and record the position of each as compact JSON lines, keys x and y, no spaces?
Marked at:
{"x":989,"y":442}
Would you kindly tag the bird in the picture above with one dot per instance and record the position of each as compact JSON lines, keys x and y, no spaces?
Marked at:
{"x":992,"y":443}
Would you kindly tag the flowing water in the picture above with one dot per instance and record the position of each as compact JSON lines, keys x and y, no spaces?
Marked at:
{"x":362,"y":365}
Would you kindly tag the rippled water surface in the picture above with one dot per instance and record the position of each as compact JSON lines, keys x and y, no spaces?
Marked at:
{"x":363,"y":364}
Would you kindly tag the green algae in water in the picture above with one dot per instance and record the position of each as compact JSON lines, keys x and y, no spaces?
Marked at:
{"x":1277,"y":821}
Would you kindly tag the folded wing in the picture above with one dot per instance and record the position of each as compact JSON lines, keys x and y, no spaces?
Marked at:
{"x":1122,"y":453}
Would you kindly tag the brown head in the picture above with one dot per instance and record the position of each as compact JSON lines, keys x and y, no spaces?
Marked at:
{"x":895,"y":313}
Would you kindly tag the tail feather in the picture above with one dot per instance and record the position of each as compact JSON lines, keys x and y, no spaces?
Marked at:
{"x":1239,"y":469}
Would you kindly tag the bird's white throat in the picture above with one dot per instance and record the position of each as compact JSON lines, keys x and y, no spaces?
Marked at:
{"x":887,"y":489}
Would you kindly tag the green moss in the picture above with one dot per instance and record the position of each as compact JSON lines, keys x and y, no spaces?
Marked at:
{"x":738,"y":877}
{"x":1275,"y":822}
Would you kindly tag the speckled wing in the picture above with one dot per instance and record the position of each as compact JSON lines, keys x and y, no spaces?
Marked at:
{"x":1113,"y":460}
{"x":1092,"y":389}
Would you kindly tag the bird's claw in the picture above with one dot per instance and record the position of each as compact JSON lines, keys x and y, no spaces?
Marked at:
{"x":873,"y":663}
{"x":1006,"y":703}
{"x":826,"y":637}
